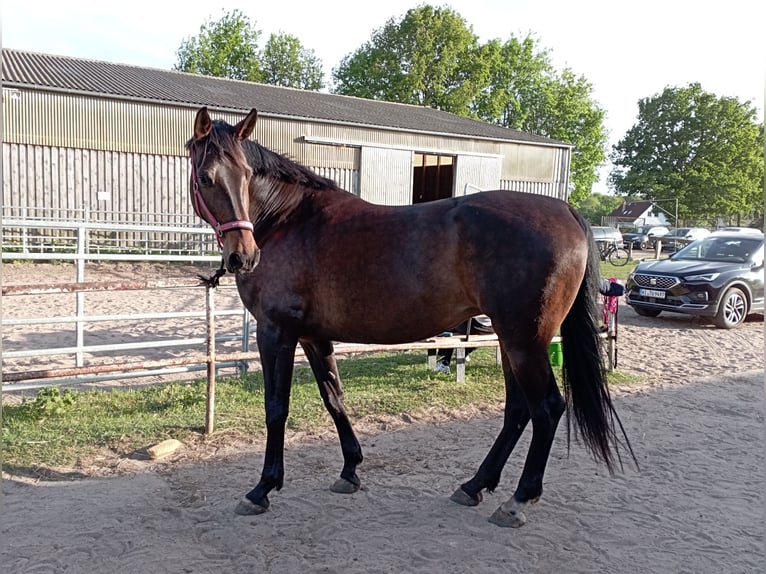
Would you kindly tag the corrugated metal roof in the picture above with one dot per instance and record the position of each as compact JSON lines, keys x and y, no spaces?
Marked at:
{"x":22,"y":69}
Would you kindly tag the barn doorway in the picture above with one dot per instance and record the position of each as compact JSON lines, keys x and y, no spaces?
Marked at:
{"x":433,"y":177}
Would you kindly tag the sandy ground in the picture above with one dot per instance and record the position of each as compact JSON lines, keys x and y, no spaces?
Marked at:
{"x":696,"y":505}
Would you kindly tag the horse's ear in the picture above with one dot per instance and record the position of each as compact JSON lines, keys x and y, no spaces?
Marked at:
{"x":247,"y":126}
{"x":202,"y":124}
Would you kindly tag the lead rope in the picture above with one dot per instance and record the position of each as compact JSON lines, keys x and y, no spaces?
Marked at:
{"x":214,"y":280}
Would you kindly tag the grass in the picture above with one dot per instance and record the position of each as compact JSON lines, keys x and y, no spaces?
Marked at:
{"x":621,"y":273}
{"x":64,"y":428}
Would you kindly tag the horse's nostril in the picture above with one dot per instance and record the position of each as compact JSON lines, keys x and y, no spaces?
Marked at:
{"x":235,"y":261}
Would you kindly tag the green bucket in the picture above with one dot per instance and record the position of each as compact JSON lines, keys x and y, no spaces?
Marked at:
{"x":556,"y":354}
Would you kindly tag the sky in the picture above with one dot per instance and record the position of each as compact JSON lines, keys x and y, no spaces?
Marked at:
{"x":627,"y":51}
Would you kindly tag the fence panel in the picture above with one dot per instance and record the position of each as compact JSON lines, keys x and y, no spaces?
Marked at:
{"x":35,"y":309}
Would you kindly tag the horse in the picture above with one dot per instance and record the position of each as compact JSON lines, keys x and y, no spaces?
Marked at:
{"x":316,"y":264}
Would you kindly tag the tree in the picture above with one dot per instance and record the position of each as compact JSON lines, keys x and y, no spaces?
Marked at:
{"x":430,"y":57}
{"x":525,"y":92}
{"x":227,"y":48}
{"x":688,"y":144}
{"x":518,"y":88}
{"x":285,"y":62}
{"x":598,"y":205}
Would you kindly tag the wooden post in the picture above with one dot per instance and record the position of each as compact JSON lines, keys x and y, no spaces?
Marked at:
{"x":460,"y":364}
{"x":210,"y":316}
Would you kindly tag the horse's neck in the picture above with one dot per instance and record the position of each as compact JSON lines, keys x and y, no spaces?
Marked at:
{"x":274,"y":204}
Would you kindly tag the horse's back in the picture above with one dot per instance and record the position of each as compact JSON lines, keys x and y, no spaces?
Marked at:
{"x":517,"y":226}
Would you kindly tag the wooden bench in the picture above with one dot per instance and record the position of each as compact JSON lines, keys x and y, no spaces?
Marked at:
{"x":462,"y":342}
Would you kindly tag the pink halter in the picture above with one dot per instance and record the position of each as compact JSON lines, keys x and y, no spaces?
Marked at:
{"x":202,"y":210}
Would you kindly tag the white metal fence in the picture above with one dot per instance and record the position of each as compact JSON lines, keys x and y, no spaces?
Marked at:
{"x":27,"y":364}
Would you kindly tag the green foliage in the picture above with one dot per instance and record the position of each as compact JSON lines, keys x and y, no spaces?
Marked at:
{"x":227,"y":48}
{"x":526,"y":93}
{"x":519,"y":86}
{"x":285,"y":62}
{"x":430,"y":57}
{"x":598,"y":205}
{"x":704,"y":150}
{"x":49,"y":402}
{"x":576,"y":119}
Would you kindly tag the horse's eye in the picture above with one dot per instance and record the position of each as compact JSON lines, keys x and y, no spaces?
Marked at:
{"x":204,"y":179}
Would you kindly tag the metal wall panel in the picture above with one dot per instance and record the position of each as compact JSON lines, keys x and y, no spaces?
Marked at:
{"x":81,"y":121}
{"x":386,"y":176}
{"x":475,"y":173}
{"x":65,"y":183}
{"x":53,"y":131}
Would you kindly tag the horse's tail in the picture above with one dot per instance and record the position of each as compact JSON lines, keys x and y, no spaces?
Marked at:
{"x":584,"y":374}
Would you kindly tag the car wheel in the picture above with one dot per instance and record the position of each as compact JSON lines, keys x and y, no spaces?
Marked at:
{"x":642,"y":245}
{"x":732,"y":309}
{"x":647,"y":312}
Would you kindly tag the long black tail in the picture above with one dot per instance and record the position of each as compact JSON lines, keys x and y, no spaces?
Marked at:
{"x":584,"y":375}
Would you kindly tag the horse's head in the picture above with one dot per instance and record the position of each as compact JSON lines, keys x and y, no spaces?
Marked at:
{"x":220,"y":177}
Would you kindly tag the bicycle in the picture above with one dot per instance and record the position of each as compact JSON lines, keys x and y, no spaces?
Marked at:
{"x":617,"y":256}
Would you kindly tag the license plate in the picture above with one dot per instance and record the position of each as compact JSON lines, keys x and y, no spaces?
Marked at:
{"x":652,"y":293}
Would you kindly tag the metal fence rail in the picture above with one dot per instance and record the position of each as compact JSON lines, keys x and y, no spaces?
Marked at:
{"x":78,"y":240}
{"x":54,"y":237}
{"x":79,"y":372}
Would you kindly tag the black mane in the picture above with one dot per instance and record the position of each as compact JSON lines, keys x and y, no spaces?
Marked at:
{"x":271,"y":164}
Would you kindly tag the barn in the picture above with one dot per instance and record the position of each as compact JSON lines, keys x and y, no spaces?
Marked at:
{"x":105,"y":141}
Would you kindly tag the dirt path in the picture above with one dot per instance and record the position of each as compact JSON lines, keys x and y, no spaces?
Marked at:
{"x":695,"y":506}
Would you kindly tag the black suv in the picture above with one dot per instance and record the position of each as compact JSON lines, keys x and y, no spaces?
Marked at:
{"x":720,"y":276}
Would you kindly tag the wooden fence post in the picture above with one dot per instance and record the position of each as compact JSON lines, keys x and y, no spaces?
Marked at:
{"x":210,"y":319}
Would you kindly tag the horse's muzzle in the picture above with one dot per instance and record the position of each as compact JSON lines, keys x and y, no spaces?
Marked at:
{"x":239,"y":262}
{"x":240,"y":252}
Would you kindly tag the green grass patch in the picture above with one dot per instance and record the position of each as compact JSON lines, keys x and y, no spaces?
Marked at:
{"x":620,"y":272}
{"x":59,"y":428}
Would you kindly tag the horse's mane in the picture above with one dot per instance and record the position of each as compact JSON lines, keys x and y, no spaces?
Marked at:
{"x":271,"y":164}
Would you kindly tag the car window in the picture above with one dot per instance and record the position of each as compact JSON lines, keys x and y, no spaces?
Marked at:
{"x":734,"y":249}
{"x":758,"y":257}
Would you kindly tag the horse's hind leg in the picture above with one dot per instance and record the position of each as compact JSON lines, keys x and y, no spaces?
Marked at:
{"x":546,"y":405}
{"x":323,"y":364}
{"x":514,"y":422}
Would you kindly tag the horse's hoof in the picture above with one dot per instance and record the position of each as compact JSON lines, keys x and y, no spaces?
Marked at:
{"x":343,"y":486}
{"x":247,"y":507}
{"x":462,"y":497}
{"x":508,"y":519}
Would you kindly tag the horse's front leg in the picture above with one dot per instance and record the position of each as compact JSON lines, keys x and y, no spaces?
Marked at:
{"x":277,"y":351}
{"x":323,"y":364}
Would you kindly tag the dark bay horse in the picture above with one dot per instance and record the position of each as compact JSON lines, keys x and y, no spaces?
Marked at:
{"x":316,"y":264}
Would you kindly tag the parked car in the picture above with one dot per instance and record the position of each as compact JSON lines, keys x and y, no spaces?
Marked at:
{"x":720,"y":276}
{"x":738,"y":230}
{"x":607,"y":234}
{"x":678,"y":238}
{"x":641,"y":239}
